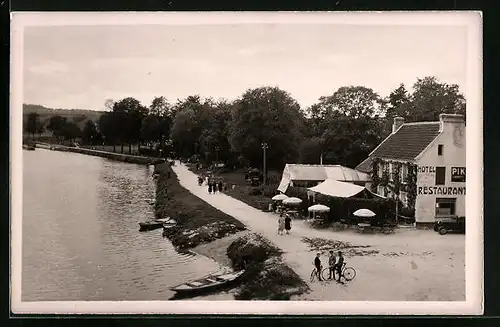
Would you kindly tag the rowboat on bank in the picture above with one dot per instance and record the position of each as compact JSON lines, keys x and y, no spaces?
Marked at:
{"x":207,"y":283}
{"x":150,"y":225}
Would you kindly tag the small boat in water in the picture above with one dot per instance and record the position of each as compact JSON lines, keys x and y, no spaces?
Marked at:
{"x":207,"y":283}
{"x":150,"y":225}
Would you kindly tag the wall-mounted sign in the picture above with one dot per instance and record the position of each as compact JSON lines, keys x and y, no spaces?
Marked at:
{"x":441,"y":190}
{"x":426,"y":169}
{"x":458,"y":174}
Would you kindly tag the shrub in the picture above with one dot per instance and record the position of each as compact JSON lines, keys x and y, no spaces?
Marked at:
{"x":252,"y":249}
{"x":255,"y":191}
{"x":266,"y":276}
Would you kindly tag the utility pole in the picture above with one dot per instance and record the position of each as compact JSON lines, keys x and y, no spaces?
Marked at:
{"x":162,"y":145}
{"x":264,"y":147}
{"x":217,"y":153}
{"x":397,"y":202}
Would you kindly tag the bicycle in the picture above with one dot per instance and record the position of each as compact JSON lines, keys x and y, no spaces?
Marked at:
{"x":347,"y":272}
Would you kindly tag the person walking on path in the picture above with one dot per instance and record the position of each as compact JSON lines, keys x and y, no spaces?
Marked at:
{"x":281,"y":225}
{"x":288,"y":223}
{"x":209,"y":187}
{"x":331,"y":264}
{"x":214,"y":186}
{"x":339,"y":265}
{"x":220,"y":186}
{"x":318,"y":265}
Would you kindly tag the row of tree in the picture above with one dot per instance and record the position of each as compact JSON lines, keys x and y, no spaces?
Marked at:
{"x":341,"y":128}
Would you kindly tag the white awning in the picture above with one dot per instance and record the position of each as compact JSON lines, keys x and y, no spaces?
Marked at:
{"x":335,"y":188}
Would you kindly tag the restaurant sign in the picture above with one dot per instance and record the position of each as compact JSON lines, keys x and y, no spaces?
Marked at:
{"x":441,"y":190}
{"x":458,"y":174}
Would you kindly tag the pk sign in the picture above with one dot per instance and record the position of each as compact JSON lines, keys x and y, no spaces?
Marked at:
{"x":458,"y":174}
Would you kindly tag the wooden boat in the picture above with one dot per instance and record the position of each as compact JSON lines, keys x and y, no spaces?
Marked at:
{"x":150,"y":225}
{"x":207,"y":283}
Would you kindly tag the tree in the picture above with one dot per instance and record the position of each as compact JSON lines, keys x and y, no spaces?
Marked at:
{"x":430,"y":98}
{"x":159,"y":120}
{"x":70,"y":131}
{"x":214,"y":135}
{"x":32,"y":124}
{"x":270,"y":115}
{"x":108,"y":128}
{"x":186,"y":134}
{"x":348,"y":140}
{"x":311,"y":149}
{"x":89,"y":133}
{"x":183,"y":131}
{"x":160,"y":107}
{"x":352,"y":101}
{"x":150,"y":129}
{"x":56,"y":124}
{"x":398,"y":103}
{"x":128,"y":113}
{"x":108,"y":104}
{"x":40,"y":128}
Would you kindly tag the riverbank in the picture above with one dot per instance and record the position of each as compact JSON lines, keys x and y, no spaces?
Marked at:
{"x":141,"y":160}
{"x":197,"y":221}
{"x":214,"y":234}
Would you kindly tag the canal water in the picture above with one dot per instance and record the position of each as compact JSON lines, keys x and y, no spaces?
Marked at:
{"x":81,"y":239}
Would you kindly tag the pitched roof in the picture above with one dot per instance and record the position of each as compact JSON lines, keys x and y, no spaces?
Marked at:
{"x":299,"y":172}
{"x":323,"y":172}
{"x":406,"y":144}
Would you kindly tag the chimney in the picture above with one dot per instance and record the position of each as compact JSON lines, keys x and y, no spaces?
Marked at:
{"x":398,"y":121}
{"x":452,"y":119}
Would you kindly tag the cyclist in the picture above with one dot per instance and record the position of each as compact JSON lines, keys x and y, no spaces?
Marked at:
{"x":317,"y":264}
{"x":339,"y":265}
{"x":331,"y":264}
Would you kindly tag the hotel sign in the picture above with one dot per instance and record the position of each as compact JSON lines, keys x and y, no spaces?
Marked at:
{"x":458,"y":174}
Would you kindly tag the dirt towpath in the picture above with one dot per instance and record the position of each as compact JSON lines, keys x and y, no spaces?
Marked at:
{"x":409,"y":265}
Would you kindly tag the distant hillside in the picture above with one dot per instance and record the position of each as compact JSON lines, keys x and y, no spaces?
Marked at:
{"x":70,"y":114}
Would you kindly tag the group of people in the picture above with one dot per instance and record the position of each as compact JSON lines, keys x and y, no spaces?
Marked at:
{"x":334,"y":263}
{"x":284,"y":223}
{"x":213,"y":186}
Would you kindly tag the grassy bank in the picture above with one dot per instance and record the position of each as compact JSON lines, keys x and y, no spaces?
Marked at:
{"x":267,"y":277}
{"x":258,"y":197}
{"x":197,"y":221}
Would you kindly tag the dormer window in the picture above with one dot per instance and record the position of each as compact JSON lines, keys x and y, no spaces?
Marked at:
{"x":440,"y":149}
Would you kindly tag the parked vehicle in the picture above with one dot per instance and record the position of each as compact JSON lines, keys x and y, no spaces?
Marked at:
{"x":445,"y":225}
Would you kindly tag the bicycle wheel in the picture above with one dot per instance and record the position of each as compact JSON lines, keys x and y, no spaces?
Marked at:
{"x":349,"y":273}
{"x":313,"y":275}
{"x":326,"y":274}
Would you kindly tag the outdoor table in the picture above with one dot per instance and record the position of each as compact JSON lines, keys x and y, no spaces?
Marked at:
{"x":363,"y":227}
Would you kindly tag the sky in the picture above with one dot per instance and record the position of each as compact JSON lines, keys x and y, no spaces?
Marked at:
{"x":82,"y":66}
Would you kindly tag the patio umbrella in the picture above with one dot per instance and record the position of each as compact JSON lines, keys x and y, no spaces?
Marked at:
{"x":364,"y":213}
{"x":292,"y":201}
{"x":279,"y":197}
{"x":318,"y":208}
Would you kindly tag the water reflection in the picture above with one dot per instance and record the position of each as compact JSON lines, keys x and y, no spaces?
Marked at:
{"x":80,"y":232}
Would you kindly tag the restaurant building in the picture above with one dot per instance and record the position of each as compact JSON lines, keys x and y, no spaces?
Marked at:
{"x":422,"y":164}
